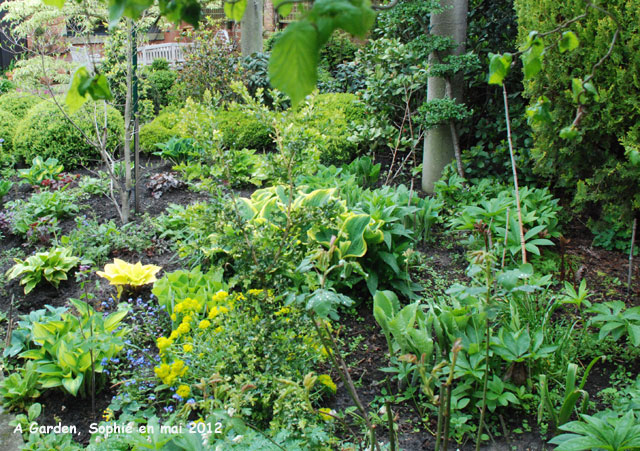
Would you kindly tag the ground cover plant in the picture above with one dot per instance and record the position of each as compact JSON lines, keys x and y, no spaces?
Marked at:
{"x":283,"y":283}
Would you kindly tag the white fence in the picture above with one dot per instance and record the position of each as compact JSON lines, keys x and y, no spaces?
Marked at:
{"x":172,"y":52}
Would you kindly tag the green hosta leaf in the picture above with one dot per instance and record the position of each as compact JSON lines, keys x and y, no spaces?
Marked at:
{"x":73,"y":384}
{"x":353,"y":231}
{"x":498,"y":67}
{"x":235,"y":10}
{"x":568,"y":42}
{"x":112,"y":321}
{"x":294,"y":60}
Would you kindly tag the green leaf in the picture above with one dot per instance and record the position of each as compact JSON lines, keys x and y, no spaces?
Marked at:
{"x":112,"y":321}
{"x":532,"y":58}
{"x":235,"y":10}
{"x":568,"y":42}
{"x":77,"y":93}
{"x":569,"y":132}
{"x":72,"y":385}
{"x":283,"y":10}
{"x":354,"y":17}
{"x":498,"y":67}
{"x":294,"y":60}
{"x":99,"y":88}
{"x":57,"y":3}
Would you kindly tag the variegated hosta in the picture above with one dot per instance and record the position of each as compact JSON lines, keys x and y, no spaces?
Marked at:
{"x":122,"y":274}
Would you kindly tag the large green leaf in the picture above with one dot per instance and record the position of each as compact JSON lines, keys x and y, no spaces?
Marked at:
{"x":112,"y":321}
{"x":498,"y":67}
{"x":73,"y":384}
{"x":283,"y":10}
{"x":294,"y":60}
{"x":77,"y":94}
{"x":234,"y":10}
{"x":353,"y":230}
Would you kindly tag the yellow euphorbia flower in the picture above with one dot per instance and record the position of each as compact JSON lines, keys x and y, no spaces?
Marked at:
{"x":183,"y":391}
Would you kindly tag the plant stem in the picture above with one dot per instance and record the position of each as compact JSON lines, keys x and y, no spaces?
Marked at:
{"x":392,"y":433}
{"x":633,"y":240}
{"x":440,"y":418}
{"x":515,"y":172}
{"x":341,"y":367}
{"x":486,"y":355}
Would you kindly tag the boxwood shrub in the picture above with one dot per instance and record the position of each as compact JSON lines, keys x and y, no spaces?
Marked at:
{"x":8,"y":124}
{"x":334,"y":116}
{"x":18,"y":103}
{"x":160,"y":130}
{"x":46,"y":132}
{"x":240,"y":130}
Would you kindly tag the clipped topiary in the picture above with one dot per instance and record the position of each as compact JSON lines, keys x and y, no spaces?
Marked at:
{"x":334,"y":116}
{"x":45,"y":132}
{"x":241,"y":130}
{"x":8,"y":123}
{"x":160,"y":130}
{"x":18,"y":103}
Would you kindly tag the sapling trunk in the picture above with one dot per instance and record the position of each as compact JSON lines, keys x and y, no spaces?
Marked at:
{"x":515,"y":172}
{"x":633,"y":240}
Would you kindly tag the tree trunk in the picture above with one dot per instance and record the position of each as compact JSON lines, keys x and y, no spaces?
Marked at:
{"x":251,"y":27}
{"x":438,"y":142}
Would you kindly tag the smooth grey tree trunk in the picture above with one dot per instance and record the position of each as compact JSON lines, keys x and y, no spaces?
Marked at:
{"x":251,"y":28}
{"x":438,"y":142}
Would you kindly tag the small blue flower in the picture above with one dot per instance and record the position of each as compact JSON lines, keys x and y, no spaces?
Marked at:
{"x":168,"y":409}
{"x":177,"y":397}
{"x":191,"y":401}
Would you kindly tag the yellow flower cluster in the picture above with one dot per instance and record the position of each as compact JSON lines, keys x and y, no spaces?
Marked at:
{"x":188,"y":305}
{"x":219,"y":296}
{"x":215,"y":311}
{"x":326,"y":380}
{"x":169,"y":373}
{"x":183,"y":391}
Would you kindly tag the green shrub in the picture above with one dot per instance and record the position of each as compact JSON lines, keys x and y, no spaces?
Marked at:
{"x":47,"y":133}
{"x":160,"y":130}
{"x":240,"y":129}
{"x":18,"y":103}
{"x":593,"y":166}
{"x":8,"y":124}
{"x":159,"y":84}
{"x":334,"y":116}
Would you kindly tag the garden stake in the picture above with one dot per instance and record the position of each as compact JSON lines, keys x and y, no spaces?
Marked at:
{"x":515,"y":172}
{"x":633,"y":240}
